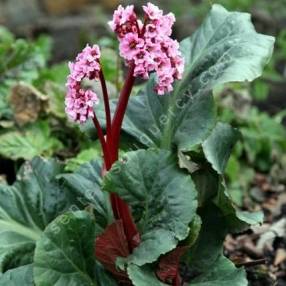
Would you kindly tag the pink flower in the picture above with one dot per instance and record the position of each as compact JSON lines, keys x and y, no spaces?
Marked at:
{"x":153,"y":47}
{"x":179,"y":64}
{"x":151,"y":31}
{"x":140,"y":62}
{"x":164,"y":84}
{"x":149,"y":46}
{"x":165,"y":24}
{"x":119,"y":16}
{"x":171,"y":47}
{"x":140,"y":71}
{"x":152,"y":11}
{"x":80,"y":102}
{"x":123,"y":20}
{"x":130,"y":45}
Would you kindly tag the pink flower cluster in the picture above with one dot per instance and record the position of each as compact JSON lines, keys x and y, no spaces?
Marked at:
{"x":148,"y":45}
{"x":79,"y":101}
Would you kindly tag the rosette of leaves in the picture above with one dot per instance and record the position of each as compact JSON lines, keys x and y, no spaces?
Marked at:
{"x":174,"y":185}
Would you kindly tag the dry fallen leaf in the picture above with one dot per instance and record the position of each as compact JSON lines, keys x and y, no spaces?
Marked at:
{"x":7,"y":123}
{"x":2,"y":179}
{"x":280,"y":256}
{"x":278,"y":229}
{"x":26,"y":103}
{"x":186,"y":163}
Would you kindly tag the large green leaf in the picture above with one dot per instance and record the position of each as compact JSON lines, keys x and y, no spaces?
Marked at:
{"x":225,"y":48}
{"x":235,"y":219}
{"x":27,"y":207}
{"x":207,"y":183}
{"x":222,"y":273}
{"x":205,"y":258}
{"x":143,"y":276}
{"x":203,"y":254}
{"x":32,"y":141}
{"x":218,"y":146}
{"x":162,"y":196}
{"x":210,"y":188}
{"x":65,"y":253}
{"x":22,"y":275}
{"x":159,"y":121}
{"x":86,"y":184}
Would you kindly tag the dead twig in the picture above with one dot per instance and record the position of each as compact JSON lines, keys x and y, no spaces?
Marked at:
{"x":251,"y":263}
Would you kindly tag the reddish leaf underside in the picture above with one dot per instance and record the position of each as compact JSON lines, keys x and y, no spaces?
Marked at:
{"x":109,"y":246}
{"x":113,"y":244}
{"x":168,"y":267}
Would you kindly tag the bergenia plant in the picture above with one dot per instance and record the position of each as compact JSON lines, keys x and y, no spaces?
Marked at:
{"x":158,"y":213}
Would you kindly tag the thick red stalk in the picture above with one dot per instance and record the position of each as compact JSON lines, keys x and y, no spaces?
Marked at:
{"x":106,"y":102}
{"x":120,"y":208}
{"x":120,"y":111}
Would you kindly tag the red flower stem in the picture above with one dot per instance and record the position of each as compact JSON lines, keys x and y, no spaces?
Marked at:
{"x":120,"y":208}
{"x":120,"y":111}
{"x":106,"y":102}
{"x":106,"y":155}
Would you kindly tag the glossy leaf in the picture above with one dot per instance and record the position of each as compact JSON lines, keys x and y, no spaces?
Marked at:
{"x":182,"y":119}
{"x":218,"y":146}
{"x":143,"y":276}
{"x":64,"y":254}
{"x":222,"y":273}
{"x":225,"y":48}
{"x":27,"y":207}
{"x":205,"y":251}
{"x":207,"y":183}
{"x":235,"y":219}
{"x":162,"y":196}
{"x":86,"y":185}
{"x":18,"y":276}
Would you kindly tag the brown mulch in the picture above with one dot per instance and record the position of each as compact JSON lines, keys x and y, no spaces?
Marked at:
{"x":262,"y":250}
